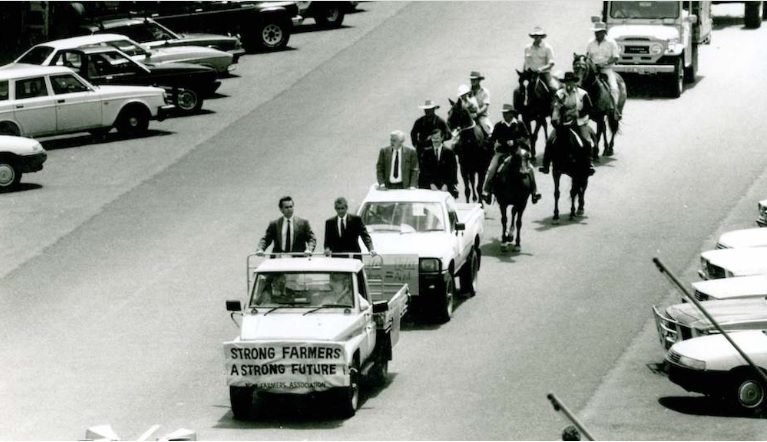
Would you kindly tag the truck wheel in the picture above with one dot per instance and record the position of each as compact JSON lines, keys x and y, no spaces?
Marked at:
{"x":444,"y":307}
{"x":752,"y":16}
{"x":676,"y":80}
{"x":242,"y":402}
{"x":691,"y":72}
{"x":349,"y":397}
{"x":133,"y":121}
{"x":188,"y":101}
{"x":10,"y":176}
{"x":470,"y":275}
{"x":272,"y":35}
{"x":329,"y":15}
{"x":7,"y":128}
{"x":749,"y":392}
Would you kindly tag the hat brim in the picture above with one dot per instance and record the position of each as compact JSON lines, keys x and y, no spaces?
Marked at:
{"x":537,"y":34}
{"x":598,"y":30}
{"x":477,"y":78}
{"x":434,"y":106}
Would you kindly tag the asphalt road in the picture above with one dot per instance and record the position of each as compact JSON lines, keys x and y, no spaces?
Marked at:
{"x":116,"y":259}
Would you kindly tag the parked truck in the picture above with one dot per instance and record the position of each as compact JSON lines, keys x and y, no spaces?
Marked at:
{"x":659,"y":38}
{"x":312,"y":325}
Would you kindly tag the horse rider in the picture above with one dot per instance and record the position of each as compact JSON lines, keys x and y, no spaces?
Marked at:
{"x":571,"y":104}
{"x":539,"y":57}
{"x":509,"y":135}
{"x":468,"y":101}
{"x":423,"y":127}
{"x":482,"y":95}
{"x":604,"y":52}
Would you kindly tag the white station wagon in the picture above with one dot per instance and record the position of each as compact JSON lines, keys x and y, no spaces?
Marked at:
{"x":44,"y":101}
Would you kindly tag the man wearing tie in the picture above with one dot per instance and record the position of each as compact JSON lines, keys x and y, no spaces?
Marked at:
{"x":342,"y":232}
{"x":290,"y":234}
{"x":440,"y":167}
{"x":397,"y":165}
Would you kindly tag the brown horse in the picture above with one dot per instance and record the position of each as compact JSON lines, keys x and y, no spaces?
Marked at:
{"x":512,"y":188}
{"x":532,"y":99}
{"x":472,"y":147}
{"x":605,"y":113}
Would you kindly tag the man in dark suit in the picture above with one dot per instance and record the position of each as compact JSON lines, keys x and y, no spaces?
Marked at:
{"x":343,"y":231}
{"x":290,"y":234}
{"x":397,"y":165}
{"x":440,"y":167}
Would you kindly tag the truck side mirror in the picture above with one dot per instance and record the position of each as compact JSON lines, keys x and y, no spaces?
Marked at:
{"x":380,"y":307}
{"x":460,"y":227}
{"x":595,"y":19}
{"x":233,"y":305}
{"x":693,"y":18}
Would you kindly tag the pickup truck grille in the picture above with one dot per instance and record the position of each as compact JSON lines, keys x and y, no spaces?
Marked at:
{"x":714,"y":272}
{"x":673,"y":356}
{"x":700,"y":296}
{"x":642,"y":50}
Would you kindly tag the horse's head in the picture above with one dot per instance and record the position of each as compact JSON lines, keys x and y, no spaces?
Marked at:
{"x":458,"y":117}
{"x":583,"y":67}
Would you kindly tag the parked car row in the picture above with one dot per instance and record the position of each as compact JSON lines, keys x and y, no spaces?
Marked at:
{"x":734,"y":293}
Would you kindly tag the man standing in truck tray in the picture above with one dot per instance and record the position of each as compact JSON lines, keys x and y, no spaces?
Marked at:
{"x":604,"y":52}
{"x":290,"y":234}
{"x":343,"y":232}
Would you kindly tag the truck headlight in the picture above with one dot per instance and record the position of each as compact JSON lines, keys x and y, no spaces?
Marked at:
{"x":656,"y":49}
{"x":671,"y":45}
{"x":429,"y":265}
{"x":692,"y":363}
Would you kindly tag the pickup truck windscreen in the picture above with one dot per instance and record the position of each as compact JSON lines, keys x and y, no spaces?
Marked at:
{"x":303,"y":290}
{"x":644,"y":10}
{"x":403,"y":217}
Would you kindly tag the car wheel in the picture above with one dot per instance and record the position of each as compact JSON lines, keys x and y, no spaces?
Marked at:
{"x":133,"y":121}
{"x":272,"y":35}
{"x":330,"y":16}
{"x":749,"y":392}
{"x":676,"y":80}
{"x":188,"y":101}
{"x":470,"y":275}
{"x":444,"y":308}
{"x":10,"y":176}
{"x":349,"y":397}
{"x":7,"y":128}
{"x":242,"y":402}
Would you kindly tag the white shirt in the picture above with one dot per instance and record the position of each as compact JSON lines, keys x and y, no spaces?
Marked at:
{"x":601,"y":52}
{"x":396,"y":156}
{"x":345,"y":223}
{"x":438,"y":151}
{"x":284,"y":233}
{"x":537,"y":57}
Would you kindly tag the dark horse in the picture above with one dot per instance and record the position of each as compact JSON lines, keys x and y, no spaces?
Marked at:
{"x":512,"y":188}
{"x":532,"y":99}
{"x":472,"y":149}
{"x":569,"y":157}
{"x":605,"y":113}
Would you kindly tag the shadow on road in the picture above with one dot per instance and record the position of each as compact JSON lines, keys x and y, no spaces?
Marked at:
{"x":22,"y":187}
{"x":80,"y":140}
{"x":706,"y":406}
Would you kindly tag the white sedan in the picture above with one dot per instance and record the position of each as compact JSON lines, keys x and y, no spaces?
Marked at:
{"x":19,"y":155}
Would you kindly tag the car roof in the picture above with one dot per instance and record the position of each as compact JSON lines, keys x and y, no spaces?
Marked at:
{"x":311,"y":264}
{"x":407,"y":195}
{"x":75,"y":42}
{"x":21,"y":70}
{"x":741,"y":285}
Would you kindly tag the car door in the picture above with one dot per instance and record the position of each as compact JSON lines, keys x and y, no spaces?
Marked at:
{"x":78,"y":106}
{"x":34,"y":106}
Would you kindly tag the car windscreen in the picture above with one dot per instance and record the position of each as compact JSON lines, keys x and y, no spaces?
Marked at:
{"x":644,"y":10}
{"x":403,"y":217}
{"x":36,"y":55}
{"x":302,"y":290}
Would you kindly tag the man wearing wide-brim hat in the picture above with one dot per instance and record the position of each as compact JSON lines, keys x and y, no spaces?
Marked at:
{"x":604,"y":52}
{"x":571,"y":106}
{"x":539,"y":57}
{"x":423,"y":127}
{"x":482,"y":96}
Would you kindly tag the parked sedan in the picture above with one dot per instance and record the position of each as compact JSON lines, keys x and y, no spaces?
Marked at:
{"x":44,"y":101}
{"x":731,"y":288}
{"x":19,"y":155}
{"x":155,"y":35}
{"x":221,"y":62}
{"x":187,"y":84}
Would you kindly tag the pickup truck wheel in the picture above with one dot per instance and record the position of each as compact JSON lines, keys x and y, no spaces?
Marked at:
{"x":271,"y":35}
{"x":749,"y":392}
{"x":349,"y":397}
{"x":329,"y":15}
{"x":242,"y":402}
{"x":444,"y":308}
{"x":10,"y":176}
{"x":188,"y":101}
{"x":470,"y":275}
{"x":133,"y":121}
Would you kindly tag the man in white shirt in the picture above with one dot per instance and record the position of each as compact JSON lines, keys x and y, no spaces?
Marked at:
{"x":539,"y":57}
{"x":604,"y":52}
{"x":482,"y":97}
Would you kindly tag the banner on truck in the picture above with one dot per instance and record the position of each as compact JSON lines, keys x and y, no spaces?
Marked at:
{"x":287,"y":367}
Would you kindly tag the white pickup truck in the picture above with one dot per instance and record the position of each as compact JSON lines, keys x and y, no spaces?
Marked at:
{"x":311,"y":325}
{"x":444,"y":234}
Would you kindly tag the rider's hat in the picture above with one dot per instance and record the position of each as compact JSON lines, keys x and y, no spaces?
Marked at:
{"x":463,"y":90}
{"x":537,"y":32}
{"x":599,"y":26}
{"x":476,"y":75}
{"x":570,"y":77}
{"x":507,"y":108}
{"x":429,"y":104}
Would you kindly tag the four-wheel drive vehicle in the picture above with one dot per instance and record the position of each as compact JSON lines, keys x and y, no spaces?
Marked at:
{"x":43,"y":101}
{"x":761,"y":221}
{"x":311,"y":325}
{"x":443,"y":233}
{"x":731,"y":288}
{"x":44,"y":53}
{"x":154,"y":35}
{"x":710,"y":365}
{"x":262,"y":26}
{"x":19,"y":155}
{"x":685,"y":320}
{"x":728,"y":263}
{"x":659,"y":37}
{"x":186,"y":84}
{"x":736,"y":239}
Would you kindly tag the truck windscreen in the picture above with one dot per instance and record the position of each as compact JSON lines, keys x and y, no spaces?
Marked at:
{"x":644,"y":10}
